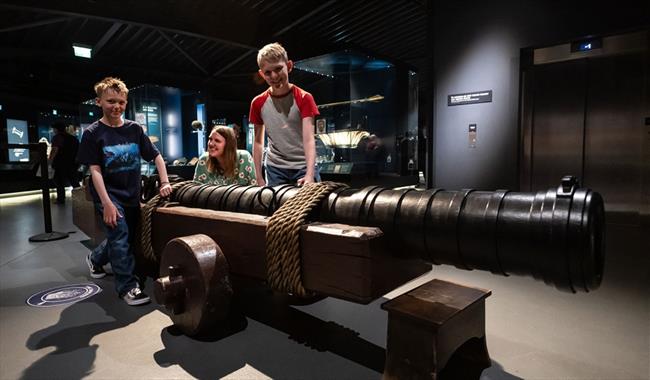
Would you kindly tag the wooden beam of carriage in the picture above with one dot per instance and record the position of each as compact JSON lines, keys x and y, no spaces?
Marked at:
{"x":338,"y":260}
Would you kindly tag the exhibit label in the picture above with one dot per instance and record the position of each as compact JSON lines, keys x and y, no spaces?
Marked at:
{"x":469,"y":98}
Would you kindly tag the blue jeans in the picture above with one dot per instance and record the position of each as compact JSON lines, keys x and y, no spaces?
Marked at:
{"x":117,"y":248}
{"x":279,"y":176}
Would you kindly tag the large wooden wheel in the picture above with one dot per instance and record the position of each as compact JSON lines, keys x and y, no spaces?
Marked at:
{"x":194,"y":284}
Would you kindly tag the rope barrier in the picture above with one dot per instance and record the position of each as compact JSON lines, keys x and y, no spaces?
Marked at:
{"x":283,"y":237}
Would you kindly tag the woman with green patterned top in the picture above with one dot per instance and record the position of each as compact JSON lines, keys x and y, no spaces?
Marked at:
{"x":223,"y":163}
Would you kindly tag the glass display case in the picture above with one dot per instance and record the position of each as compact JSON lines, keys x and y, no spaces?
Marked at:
{"x":366,"y":132}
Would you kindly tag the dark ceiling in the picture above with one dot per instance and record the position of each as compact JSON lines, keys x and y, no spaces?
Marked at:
{"x":207,"y":45}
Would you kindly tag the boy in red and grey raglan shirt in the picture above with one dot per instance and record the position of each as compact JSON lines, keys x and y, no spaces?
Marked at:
{"x":286,"y":112}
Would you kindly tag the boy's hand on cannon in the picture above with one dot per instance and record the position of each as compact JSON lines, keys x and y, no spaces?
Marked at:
{"x":165,"y":189}
{"x":304,"y":180}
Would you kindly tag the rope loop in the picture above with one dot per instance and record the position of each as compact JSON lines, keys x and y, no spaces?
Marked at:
{"x":145,"y":218}
{"x":284,"y":272}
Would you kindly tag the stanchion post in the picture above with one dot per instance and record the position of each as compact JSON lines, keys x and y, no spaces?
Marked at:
{"x":48,"y":235}
{"x":45,"y":187}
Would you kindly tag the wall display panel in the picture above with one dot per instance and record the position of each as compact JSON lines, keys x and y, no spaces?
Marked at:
{"x":147,"y":114}
{"x":17,"y":133}
{"x":200,"y":133}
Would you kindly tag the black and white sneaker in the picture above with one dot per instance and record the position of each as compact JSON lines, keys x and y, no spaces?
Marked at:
{"x":135,"y":297}
{"x":95,"y":270}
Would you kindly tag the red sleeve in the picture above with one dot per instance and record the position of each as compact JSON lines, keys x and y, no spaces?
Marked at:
{"x":255,"y":114}
{"x":305,"y":102}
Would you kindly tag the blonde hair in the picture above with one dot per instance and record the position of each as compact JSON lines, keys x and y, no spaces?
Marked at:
{"x":229,"y":154}
{"x":272,"y":53}
{"x":114,"y":84}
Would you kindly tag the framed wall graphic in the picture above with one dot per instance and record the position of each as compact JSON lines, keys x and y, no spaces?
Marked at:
{"x":321,"y":125}
{"x":17,"y":133}
{"x":147,"y":114}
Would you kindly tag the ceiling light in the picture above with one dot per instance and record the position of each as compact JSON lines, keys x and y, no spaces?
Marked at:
{"x":83,"y":51}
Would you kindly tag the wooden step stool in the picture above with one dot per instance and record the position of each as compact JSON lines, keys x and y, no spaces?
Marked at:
{"x":428,"y":325}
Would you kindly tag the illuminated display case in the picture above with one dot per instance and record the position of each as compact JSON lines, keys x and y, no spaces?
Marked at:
{"x":366,"y":132}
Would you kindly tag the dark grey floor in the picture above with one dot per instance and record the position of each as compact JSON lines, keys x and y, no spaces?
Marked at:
{"x":533,"y":331}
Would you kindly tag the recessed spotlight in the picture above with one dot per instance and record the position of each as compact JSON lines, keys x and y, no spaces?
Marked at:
{"x":83,"y":51}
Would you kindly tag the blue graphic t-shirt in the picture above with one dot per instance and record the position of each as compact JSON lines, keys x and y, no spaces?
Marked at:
{"x":117,"y":151}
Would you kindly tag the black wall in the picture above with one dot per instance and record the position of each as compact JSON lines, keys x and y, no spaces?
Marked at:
{"x":476,"y":47}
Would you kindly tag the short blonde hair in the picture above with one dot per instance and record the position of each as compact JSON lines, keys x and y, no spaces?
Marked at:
{"x":272,"y":53}
{"x":114,"y":84}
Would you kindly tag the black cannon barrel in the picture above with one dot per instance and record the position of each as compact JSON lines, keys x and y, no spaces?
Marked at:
{"x":556,"y":236}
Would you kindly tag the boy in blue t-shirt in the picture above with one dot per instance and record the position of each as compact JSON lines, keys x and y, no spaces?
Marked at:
{"x":112,"y":147}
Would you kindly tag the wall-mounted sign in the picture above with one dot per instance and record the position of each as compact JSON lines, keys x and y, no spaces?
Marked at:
{"x":141,"y":118}
{"x":17,"y":133}
{"x":469,"y":98}
{"x":472,"y":135}
{"x":151,"y":112}
{"x":200,"y":134}
{"x":321,"y":126}
{"x":586,"y":45}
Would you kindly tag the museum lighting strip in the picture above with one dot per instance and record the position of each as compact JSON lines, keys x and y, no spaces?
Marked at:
{"x":23,"y":196}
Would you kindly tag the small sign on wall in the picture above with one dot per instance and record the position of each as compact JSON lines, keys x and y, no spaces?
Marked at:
{"x":469,"y":98}
{"x":472,"y":136}
{"x":321,"y":126}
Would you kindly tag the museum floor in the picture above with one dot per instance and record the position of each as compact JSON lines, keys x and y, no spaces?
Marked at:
{"x":533,"y":331}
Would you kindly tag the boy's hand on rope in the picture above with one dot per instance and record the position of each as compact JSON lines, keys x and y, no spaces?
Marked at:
{"x":304,"y":180}
{"x":165,"y":189}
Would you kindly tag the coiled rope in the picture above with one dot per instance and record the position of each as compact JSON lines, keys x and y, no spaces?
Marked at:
{"x":283,"y":237}
{"x":145,"y":219}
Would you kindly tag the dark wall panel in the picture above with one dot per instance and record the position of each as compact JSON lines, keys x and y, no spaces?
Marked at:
{"x":477,"y":47}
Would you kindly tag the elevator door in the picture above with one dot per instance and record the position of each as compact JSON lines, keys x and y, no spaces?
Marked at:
{"x":558,"y":129}
{"x":614,"y":139}
{"x":587,"y":118}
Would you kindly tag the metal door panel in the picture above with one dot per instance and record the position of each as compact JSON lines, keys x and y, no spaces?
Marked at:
{"x":558,"y":123}
{"x":588,"y":117}
{"x":614,"y":138}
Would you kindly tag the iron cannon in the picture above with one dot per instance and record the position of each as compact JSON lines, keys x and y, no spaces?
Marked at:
{"x":556,"y":236}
